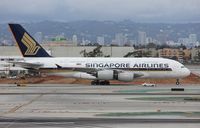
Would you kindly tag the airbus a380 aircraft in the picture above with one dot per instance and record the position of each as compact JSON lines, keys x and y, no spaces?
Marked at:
{"x":99,"y":70}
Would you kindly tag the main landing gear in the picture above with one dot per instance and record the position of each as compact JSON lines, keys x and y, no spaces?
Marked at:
{"x":177,"y":82}
{"x":100,"y":82}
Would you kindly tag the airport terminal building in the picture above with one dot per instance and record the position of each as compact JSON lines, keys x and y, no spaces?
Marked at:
{"x":70,"y":51}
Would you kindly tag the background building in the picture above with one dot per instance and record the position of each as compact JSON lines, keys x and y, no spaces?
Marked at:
{"x":192,"y":40}
{"x":75,"y":40}
{"x":100,"y":40}
{"x":58,"y":50}
{"x":176,"y":54}
{"x":142,"y":38}
{"x":195,"y":55}
{"x":120,"y":39}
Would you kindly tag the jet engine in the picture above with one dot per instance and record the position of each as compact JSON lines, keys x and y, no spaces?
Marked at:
{"x":115,"y":75}
{"x":105,"y":75}
{"x":125,"y":76}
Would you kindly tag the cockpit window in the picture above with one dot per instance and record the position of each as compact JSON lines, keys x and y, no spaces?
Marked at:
{"x":182,"y":66}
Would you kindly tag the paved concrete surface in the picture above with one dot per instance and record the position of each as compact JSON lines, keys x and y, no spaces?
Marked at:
{"x":98,"y":123}
{"x":194,"y":69}
{"x":78,"y":105}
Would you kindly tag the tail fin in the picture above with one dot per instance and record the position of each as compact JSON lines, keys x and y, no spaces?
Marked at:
{"x":27,"y":44}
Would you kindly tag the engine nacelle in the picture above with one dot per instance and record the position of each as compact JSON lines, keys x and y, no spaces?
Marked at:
{"x":105,"y":75}
{"x":126,"y":76}
{"x":115,"y":75}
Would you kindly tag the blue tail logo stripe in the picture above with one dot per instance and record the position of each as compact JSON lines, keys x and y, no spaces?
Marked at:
{"x":32,"y":48}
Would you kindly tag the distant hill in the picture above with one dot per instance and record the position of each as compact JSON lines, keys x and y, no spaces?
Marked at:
{"x":91,"y":29}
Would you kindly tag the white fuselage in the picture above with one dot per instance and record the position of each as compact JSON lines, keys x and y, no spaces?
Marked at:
{"x":148,"y":67}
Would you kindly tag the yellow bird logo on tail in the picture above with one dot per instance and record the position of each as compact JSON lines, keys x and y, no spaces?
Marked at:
{"x":32,"y":48}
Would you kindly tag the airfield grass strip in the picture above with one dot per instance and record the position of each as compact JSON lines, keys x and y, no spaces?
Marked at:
{"x":151,"y":114}
{"x":167,"y":98}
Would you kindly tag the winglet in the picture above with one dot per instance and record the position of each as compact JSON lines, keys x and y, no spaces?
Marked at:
{"x":28,"y":46}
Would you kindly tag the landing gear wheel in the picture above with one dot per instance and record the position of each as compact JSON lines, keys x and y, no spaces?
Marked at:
{"x":97,"y":82}
{"x":107,"y":82}
{"x":93,"y":83}
{"x":177,"y":82}
{"x":102,"y":83}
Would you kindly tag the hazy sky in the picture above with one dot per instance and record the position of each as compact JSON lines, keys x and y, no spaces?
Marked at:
{"x":69,"y":10}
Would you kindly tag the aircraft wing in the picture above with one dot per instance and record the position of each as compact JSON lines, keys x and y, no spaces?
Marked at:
{"x":27,"y":65}
{"x":93,"y":71}
{"x":87,"y":70}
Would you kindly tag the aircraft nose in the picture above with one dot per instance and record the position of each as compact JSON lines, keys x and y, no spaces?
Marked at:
{"x":186,"y":72}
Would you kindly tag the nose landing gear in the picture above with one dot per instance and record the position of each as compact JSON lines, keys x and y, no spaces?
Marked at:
{"x":177,"y":82}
